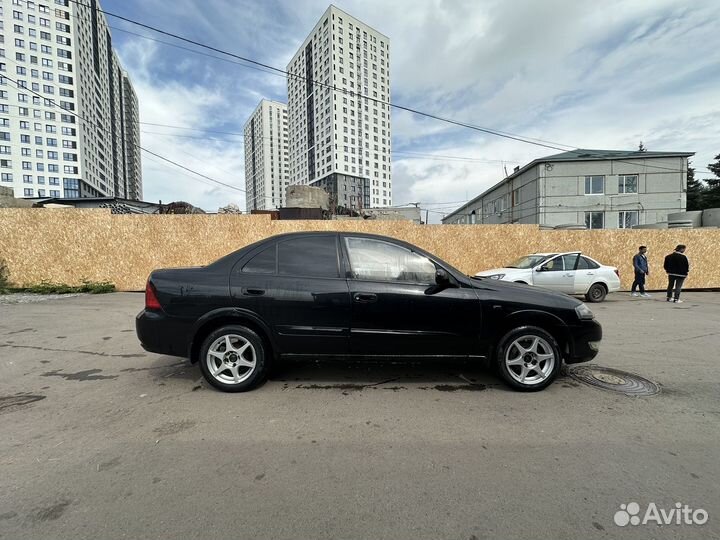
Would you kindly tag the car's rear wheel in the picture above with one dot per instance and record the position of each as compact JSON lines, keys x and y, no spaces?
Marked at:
{"x":596,"y":293}
{"x":528,"y":358}
{"x":233,"y":359}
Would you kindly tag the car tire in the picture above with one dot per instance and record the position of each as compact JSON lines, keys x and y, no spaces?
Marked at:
{"x":596,"y":293}
{"x":233,"y":358}
{"x":528,"y":359}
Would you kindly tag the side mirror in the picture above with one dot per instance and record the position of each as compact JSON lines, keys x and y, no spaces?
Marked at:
{"x":442,"y":277}
{"x":542,"y":268}
{"x":443,"y":281}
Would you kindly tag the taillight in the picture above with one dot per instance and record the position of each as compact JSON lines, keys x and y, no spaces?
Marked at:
{"x":151,"y":301}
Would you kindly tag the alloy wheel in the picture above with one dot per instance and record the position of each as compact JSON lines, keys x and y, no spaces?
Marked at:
{"x":231,"y":359}
{"x":530,"y":359}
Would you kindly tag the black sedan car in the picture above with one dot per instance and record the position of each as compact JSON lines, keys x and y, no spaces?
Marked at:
{"x":356,"y":296}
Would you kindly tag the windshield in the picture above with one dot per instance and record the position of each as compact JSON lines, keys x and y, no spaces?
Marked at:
{"x":529,"y":261}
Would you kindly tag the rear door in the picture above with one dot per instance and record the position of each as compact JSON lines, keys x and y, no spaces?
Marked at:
{"x":396,"y":310}
{"x":585,"y":275}
{"x":304,"y":300}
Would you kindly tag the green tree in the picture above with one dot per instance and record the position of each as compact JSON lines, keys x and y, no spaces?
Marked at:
{"x":695,"y":191}
{"x":641,"y":147}
{"x":711,"y":196}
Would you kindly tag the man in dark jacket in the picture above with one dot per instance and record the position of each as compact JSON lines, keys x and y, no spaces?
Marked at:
{"x":640,"y":265}
{"x":677,"y":268}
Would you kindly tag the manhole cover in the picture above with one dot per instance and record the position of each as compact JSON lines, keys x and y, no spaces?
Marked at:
{"x":614,"y":379}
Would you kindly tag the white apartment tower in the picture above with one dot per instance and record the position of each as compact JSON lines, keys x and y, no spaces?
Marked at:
{"x":68,"y":112}
{"x":339,"y":112}
{"x":266,"y":156}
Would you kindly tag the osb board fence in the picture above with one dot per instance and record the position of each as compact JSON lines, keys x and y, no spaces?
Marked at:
{"x":69,"y":245}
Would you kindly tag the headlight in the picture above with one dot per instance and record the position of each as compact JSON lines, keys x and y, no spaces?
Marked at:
{"x":583,"y":312}
{"x":497,"y":276}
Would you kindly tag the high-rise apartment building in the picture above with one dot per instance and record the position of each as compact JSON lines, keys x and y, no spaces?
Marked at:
{"x":339,"y":112}
{"x":68,"y":112}
{"x":266,"y":156}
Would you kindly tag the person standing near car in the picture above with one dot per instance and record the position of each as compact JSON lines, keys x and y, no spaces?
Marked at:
{"x":640,"y":265}
{"x":677,"y":268}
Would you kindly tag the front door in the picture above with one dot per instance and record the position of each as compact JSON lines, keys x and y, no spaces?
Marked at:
{"x":557,"y":274}
{"x":396,"y":309}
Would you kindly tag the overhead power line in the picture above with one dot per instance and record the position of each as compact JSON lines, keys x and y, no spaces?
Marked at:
{"x":410,"y":155}
{"x":537,"y":142}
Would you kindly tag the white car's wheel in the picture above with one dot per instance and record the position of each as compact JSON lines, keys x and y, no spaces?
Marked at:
{"x":596,"y":293}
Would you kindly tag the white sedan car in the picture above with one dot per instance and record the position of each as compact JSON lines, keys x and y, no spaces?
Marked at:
{"x":570,"y":273}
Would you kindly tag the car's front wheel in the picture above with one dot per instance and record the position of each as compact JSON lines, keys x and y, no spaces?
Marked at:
{"x":528,"y":358}
{"x":233,"y":359}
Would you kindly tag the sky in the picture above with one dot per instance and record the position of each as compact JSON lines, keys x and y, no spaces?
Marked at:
{"x":573,"y":73}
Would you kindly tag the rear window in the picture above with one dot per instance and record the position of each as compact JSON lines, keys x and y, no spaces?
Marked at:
{"x":262,"y":263}
{"x":314,"y":256}
{"x":586,"y":264}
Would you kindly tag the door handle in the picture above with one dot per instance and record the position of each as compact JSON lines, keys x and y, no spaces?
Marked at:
{"x":365,"y":298}
{"x":591,"y":273}
{"x":253,"y":292}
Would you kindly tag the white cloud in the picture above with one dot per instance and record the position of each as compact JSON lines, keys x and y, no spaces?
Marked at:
{"x":168,"y":102}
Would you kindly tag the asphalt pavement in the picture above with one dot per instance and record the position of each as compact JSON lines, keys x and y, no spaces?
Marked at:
{"x":99,"y":439}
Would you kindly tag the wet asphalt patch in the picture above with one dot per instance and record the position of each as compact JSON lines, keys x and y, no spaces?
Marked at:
{"x":87,"y":375}
{"x":18,"y":401}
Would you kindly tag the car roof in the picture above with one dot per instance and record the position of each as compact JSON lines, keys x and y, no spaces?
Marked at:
{"x":551,"y":254}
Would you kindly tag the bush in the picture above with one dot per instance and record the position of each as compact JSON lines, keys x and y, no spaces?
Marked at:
{"x":48,"y":287}
{"x":3,"y":277}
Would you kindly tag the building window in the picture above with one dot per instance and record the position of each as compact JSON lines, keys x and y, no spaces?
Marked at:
{"x":28,"y":192}
{"x":594,"y":185}
{"x":595,"y":220}
{"x":628,"y":183}
{"x":628,"y":219}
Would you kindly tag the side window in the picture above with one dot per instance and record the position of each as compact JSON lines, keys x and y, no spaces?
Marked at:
{"x":569,"y":261}
{"x":554,"y":265}
{"x":586,"y":264}
{"x":382,"y":261}
{"x":262,"y":263}
{"x":314,"y":256}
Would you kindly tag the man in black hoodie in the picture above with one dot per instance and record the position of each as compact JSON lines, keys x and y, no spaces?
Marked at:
{"x":677,"y":268}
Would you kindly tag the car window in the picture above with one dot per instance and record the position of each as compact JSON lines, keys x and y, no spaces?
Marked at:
{"x":314,"y":256}
{"x":554,"y":265}
{"x":569,"y":261}
{"x":529,"y":261}
{"x":587,"y":264}
{"x":382,"y":261}
{"x":262,"y":263}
